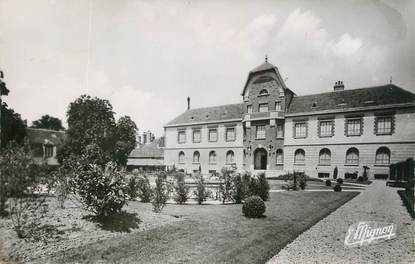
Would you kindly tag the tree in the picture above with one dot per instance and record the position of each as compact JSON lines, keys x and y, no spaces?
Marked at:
{"x":335,"y":172}
{"x":13,"y":128}
{"x":48,"y":122}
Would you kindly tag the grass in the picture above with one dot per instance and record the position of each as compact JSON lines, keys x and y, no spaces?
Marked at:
{"x":314,"y":185}
{"x":214,"y":233}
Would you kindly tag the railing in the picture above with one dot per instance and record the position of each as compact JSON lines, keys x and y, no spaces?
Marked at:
{"x":402,"y":174}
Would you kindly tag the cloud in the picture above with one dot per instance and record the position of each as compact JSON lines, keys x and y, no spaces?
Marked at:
{"x":346,"y":45}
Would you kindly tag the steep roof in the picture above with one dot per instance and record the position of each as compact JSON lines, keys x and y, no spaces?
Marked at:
{"x":45,"y":136}
{"x":263,"y":67}
{"x":151,"y":150}
{"x":354,"y":98}
{"x":209,"y":114}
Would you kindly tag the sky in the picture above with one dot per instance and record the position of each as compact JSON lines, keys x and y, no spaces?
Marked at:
{"x":146,"y":57}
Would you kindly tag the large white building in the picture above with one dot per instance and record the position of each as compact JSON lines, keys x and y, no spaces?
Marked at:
{"x":276,"y":131}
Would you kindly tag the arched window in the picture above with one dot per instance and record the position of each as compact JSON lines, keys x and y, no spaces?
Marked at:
{"x":230,"y":157}
{"x":299,"y":156}
{"x":383,"y":155}
{"x":324,"y":157}
{"x":352,"y":156}
{"x":280,"y":156}
{"x":263,"y":92}
{"x":181,"y":157}
{"x":196,"y":157}
{"x":212,"y":157}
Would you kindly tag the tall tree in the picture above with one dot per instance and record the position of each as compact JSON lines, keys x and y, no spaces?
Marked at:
{"x":12,"y":126}
{"x":48,"y":122}
{"x":125,"y":134}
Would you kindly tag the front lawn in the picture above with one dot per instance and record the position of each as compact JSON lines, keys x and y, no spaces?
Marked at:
{"x":211,"y":233}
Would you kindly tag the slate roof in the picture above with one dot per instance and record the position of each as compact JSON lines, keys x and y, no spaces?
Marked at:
{"x":263,"y":67}
{"x":152,"y":150}
{"x":45,"y":136}
{"x":209,"y":114}
{"x":353,"y":98}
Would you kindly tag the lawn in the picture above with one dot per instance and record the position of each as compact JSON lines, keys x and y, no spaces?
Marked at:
{"x":315,"y":185}
{"x":211,"y":233}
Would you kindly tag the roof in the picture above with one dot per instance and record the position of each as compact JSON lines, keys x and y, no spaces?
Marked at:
{"x":145,"y":162}
{"x":45,"y":136}
{"x":150,"y":150}
{"x":209,"y":114}
{"x":263,"y":67}
{"x":363,"y":97}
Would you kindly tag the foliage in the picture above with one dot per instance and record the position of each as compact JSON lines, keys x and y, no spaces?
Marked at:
{"x":360,"y":179}
{"x":160,"y":194}
{"x":201,"y":192}
{"x":48,"y":122}
{"x":238,"y":193}
{"x":13,"y":128}
{"x":365,"y":177}
{"x":144,"y":189}
{"x":125,"y":133}
{"x":302,"y":183}
{"x":337,"y":188}
{"x":262,"y":187}
{"x":181,"y":190}
{"x":253,"y":207}
{"x":328,"y":183}
{"x":335,"y":172}
{"x":225,"y":186}
{"x":133,"y":189}
{"x":340,"y":181}
{"x":62,"y":180}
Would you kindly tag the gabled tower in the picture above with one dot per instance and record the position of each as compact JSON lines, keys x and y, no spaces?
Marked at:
{"x":265,"y":97}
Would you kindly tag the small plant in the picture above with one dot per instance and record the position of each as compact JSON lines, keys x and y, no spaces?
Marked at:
{"x":337,"y":188}
{"x":340,"y":181}
{"x":328,"y":183}
{"x":201,"y":192}
{"x":225,"y":186}
{"x":144,"y":189}
{"x":160,"y":194}
{"x":181,"y":190}
{"x":132,"y":189}
{"x":253,"y":207}
{"x":238,"y":193}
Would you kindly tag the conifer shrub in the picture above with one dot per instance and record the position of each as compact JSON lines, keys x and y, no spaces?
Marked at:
{"x":238,"y":193}
{"x":161,"y":194}
{"x":328,"y":183}
{"x":201,"y":192}
{"x":225,"y":186}
{"x":181,"y":190}
{"x":262,"y":187}
{"x":340,"y":181}
{"x":253,"y":207}
{"x":144,"y":189}
{"x":337,"y":188}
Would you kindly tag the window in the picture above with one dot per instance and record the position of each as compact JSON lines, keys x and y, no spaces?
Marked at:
{"x":249,"y":109}
{"x":181,"y":157}
{"x":278,"y":106}
{"x":326,"y":128}
{"x":263,"y":107}
{"x":324,"y":157}
{"x":300,"y":130}
{"x":230,"y":157}
{"x":299,"y":157}
{"x":196,"y":157}
{"x":196,"y":136}
{"x":352,"y":156}
{"x":263,"y":92}
{"x":382,"y":156}
{"x":260,"y":132}
{"x":213,"y":135}
{"x":212,"y":157}
{"x":280,"y":157}
{"x":354,"y":127}
{"x":230,"y":134}
{"x":280,"y":131}
{"x":383,"y":125}
{"x":48,"y":151}
{"x":182,"y":137}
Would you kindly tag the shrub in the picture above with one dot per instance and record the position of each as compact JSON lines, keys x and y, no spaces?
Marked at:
{"x":133,"y":189}
{"x":181,"y":190}
{"x":335,"y":172}
{"x":144,"y":189}
{"x":201,"y":192}
{"x":302,"y":181}
{"x":337,"y":188}
{"x":238,"y":193}
{"x":253,"y":207}
{"x":263,"y":187}
{"x":360,"y":179}
{"x":328,"y":183}
{"x":340,"y":181}
{"x":225,"y":186}
{"x":160,"y":194}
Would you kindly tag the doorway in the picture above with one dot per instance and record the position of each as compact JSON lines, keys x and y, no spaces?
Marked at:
{"x":260,"y":159}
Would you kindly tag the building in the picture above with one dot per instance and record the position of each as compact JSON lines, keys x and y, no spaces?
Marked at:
{"x":145,"y":138}
{"x":44,"y":144}
{"x":147,"y":157}
{"x":276,"y":131}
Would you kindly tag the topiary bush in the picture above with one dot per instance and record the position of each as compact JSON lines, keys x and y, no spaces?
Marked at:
{"x":340,"y":181}
{"x":253,"y":207}
{"x":337,"y":188}
{"x":328,"y":183}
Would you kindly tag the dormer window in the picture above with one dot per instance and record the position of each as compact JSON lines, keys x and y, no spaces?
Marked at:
{"x":263,"y":92}
{"x":263,"y":107}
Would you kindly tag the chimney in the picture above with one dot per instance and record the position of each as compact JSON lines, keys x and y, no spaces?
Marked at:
{"x":188,"y":103}
{"x":338,"y":86}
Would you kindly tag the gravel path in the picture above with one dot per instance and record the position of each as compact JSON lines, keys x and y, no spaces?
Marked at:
{"x":324,"y":242}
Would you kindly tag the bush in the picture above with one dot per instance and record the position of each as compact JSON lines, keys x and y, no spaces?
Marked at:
{"x":253,"y":207}
{"x":328,"y":183}
{"x":238,"y":193}
{"x":340,"y":181}
{"x":302,"y":181}
{"x":201,"y":192}
{"x":360,"y":179}
{"x":225,"y":186}
{"x":181,"y":190}
{"x":263,"y":187}
{"x":144,"y":189}
{"x":160,"y":194}
{"x":337,"y":188}
{"x":133,"y":189}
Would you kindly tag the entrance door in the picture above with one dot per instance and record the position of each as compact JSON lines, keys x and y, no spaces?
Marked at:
{"x":260,"y":159}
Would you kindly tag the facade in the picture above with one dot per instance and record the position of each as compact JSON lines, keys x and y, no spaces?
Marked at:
{"x":45,"y":144}
{"x":276,"y":131}
{"x":146,"y":137}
